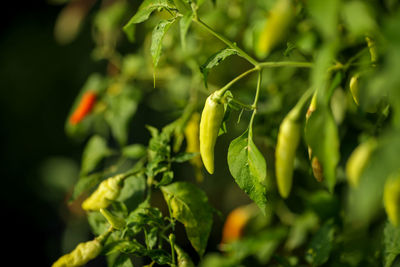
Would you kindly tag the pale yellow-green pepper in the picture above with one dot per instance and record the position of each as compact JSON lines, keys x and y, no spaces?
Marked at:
{"x":211,"y":119}
{"x":105,"y":194}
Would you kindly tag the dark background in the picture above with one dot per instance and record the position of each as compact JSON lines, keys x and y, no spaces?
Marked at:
{"x":39,"y":81}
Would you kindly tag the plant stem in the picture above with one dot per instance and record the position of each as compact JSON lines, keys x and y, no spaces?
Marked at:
{"x":258,"y":89}
{"x":285,"y":64}
{"x":243,"y":105}
{"x":226,"y":41}
{"x":172,"y":244}
{"x":259,"y":79}
{"x":228,"y":85}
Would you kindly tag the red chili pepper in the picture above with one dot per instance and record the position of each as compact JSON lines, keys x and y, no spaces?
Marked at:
{"x":84,"y":107}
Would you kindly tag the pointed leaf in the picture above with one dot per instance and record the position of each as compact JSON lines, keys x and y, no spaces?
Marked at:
{"x":248,"y":167}
{"x":144,"y":12}
{"x":214,"y":60}
{"x":157,"y":38}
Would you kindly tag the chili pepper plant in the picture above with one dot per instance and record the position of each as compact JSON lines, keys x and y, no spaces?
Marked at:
{"x":285,"y":111}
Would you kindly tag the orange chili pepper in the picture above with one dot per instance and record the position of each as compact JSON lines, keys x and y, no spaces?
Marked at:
{"x":235,"y":224}
{"x":84,"y":107}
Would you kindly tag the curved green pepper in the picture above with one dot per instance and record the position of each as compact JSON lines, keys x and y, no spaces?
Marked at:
{"x":83,"y":253}
{"x":105,"y":194}
{"x":211,"y":119}
{"x":391,"y":199}
{"x":288,"y":140}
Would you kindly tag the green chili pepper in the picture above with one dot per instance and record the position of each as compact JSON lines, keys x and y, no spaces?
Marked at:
{"x":358,"y":160}
{"x":83,"y":253}
{"x":315,"y":163}
{"x":105,"y":194}
{"x":391,"y":199}
{"x":354,"y":87}
{"x":211,"y":119}
{"x":288,"y":140}
{"x":275,"y":27}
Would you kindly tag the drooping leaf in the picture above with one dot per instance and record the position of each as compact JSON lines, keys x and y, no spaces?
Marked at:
{"x":322,"y":136}
{"x":392,"y":244}
{"x":95,"y":150}
{"x":189,"y":205}
{"x":214,"y":60}
{"x":321,"y":244}
{"x":248,"y":168}
{"x":157,"y":37}
{"x":144,"y":12}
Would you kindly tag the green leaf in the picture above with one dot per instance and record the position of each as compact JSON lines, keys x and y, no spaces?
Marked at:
{"x":134,"y":151}
{"x":358,"y":18}
{"x":321,"y":245}
{"x":121,"y":108}
{"x":159,"y":256}
{"x":189,"y":205}
{"x":214,"y":60}
{"x":151,"y":237}
{"x":132,"y":192}
{"x":392,"y":244}
{"x":184,"y":25}
{"x":95,"y":150}
{"x":248,"y":167}
{"x":123,"y":260}
{"x":144,"y":12}
{"x":322,"y":136}
{"x":124,"y":246}
{"x":167,"y":178}
{"x":157,"y":37}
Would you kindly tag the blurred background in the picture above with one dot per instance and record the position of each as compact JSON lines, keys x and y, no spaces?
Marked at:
{"x":39,"y":81}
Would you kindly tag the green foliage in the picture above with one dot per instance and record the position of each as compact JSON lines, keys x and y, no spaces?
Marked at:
{"x":248,"y":167}
{"x":324,"y":223}
{"x":189,"y":205}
